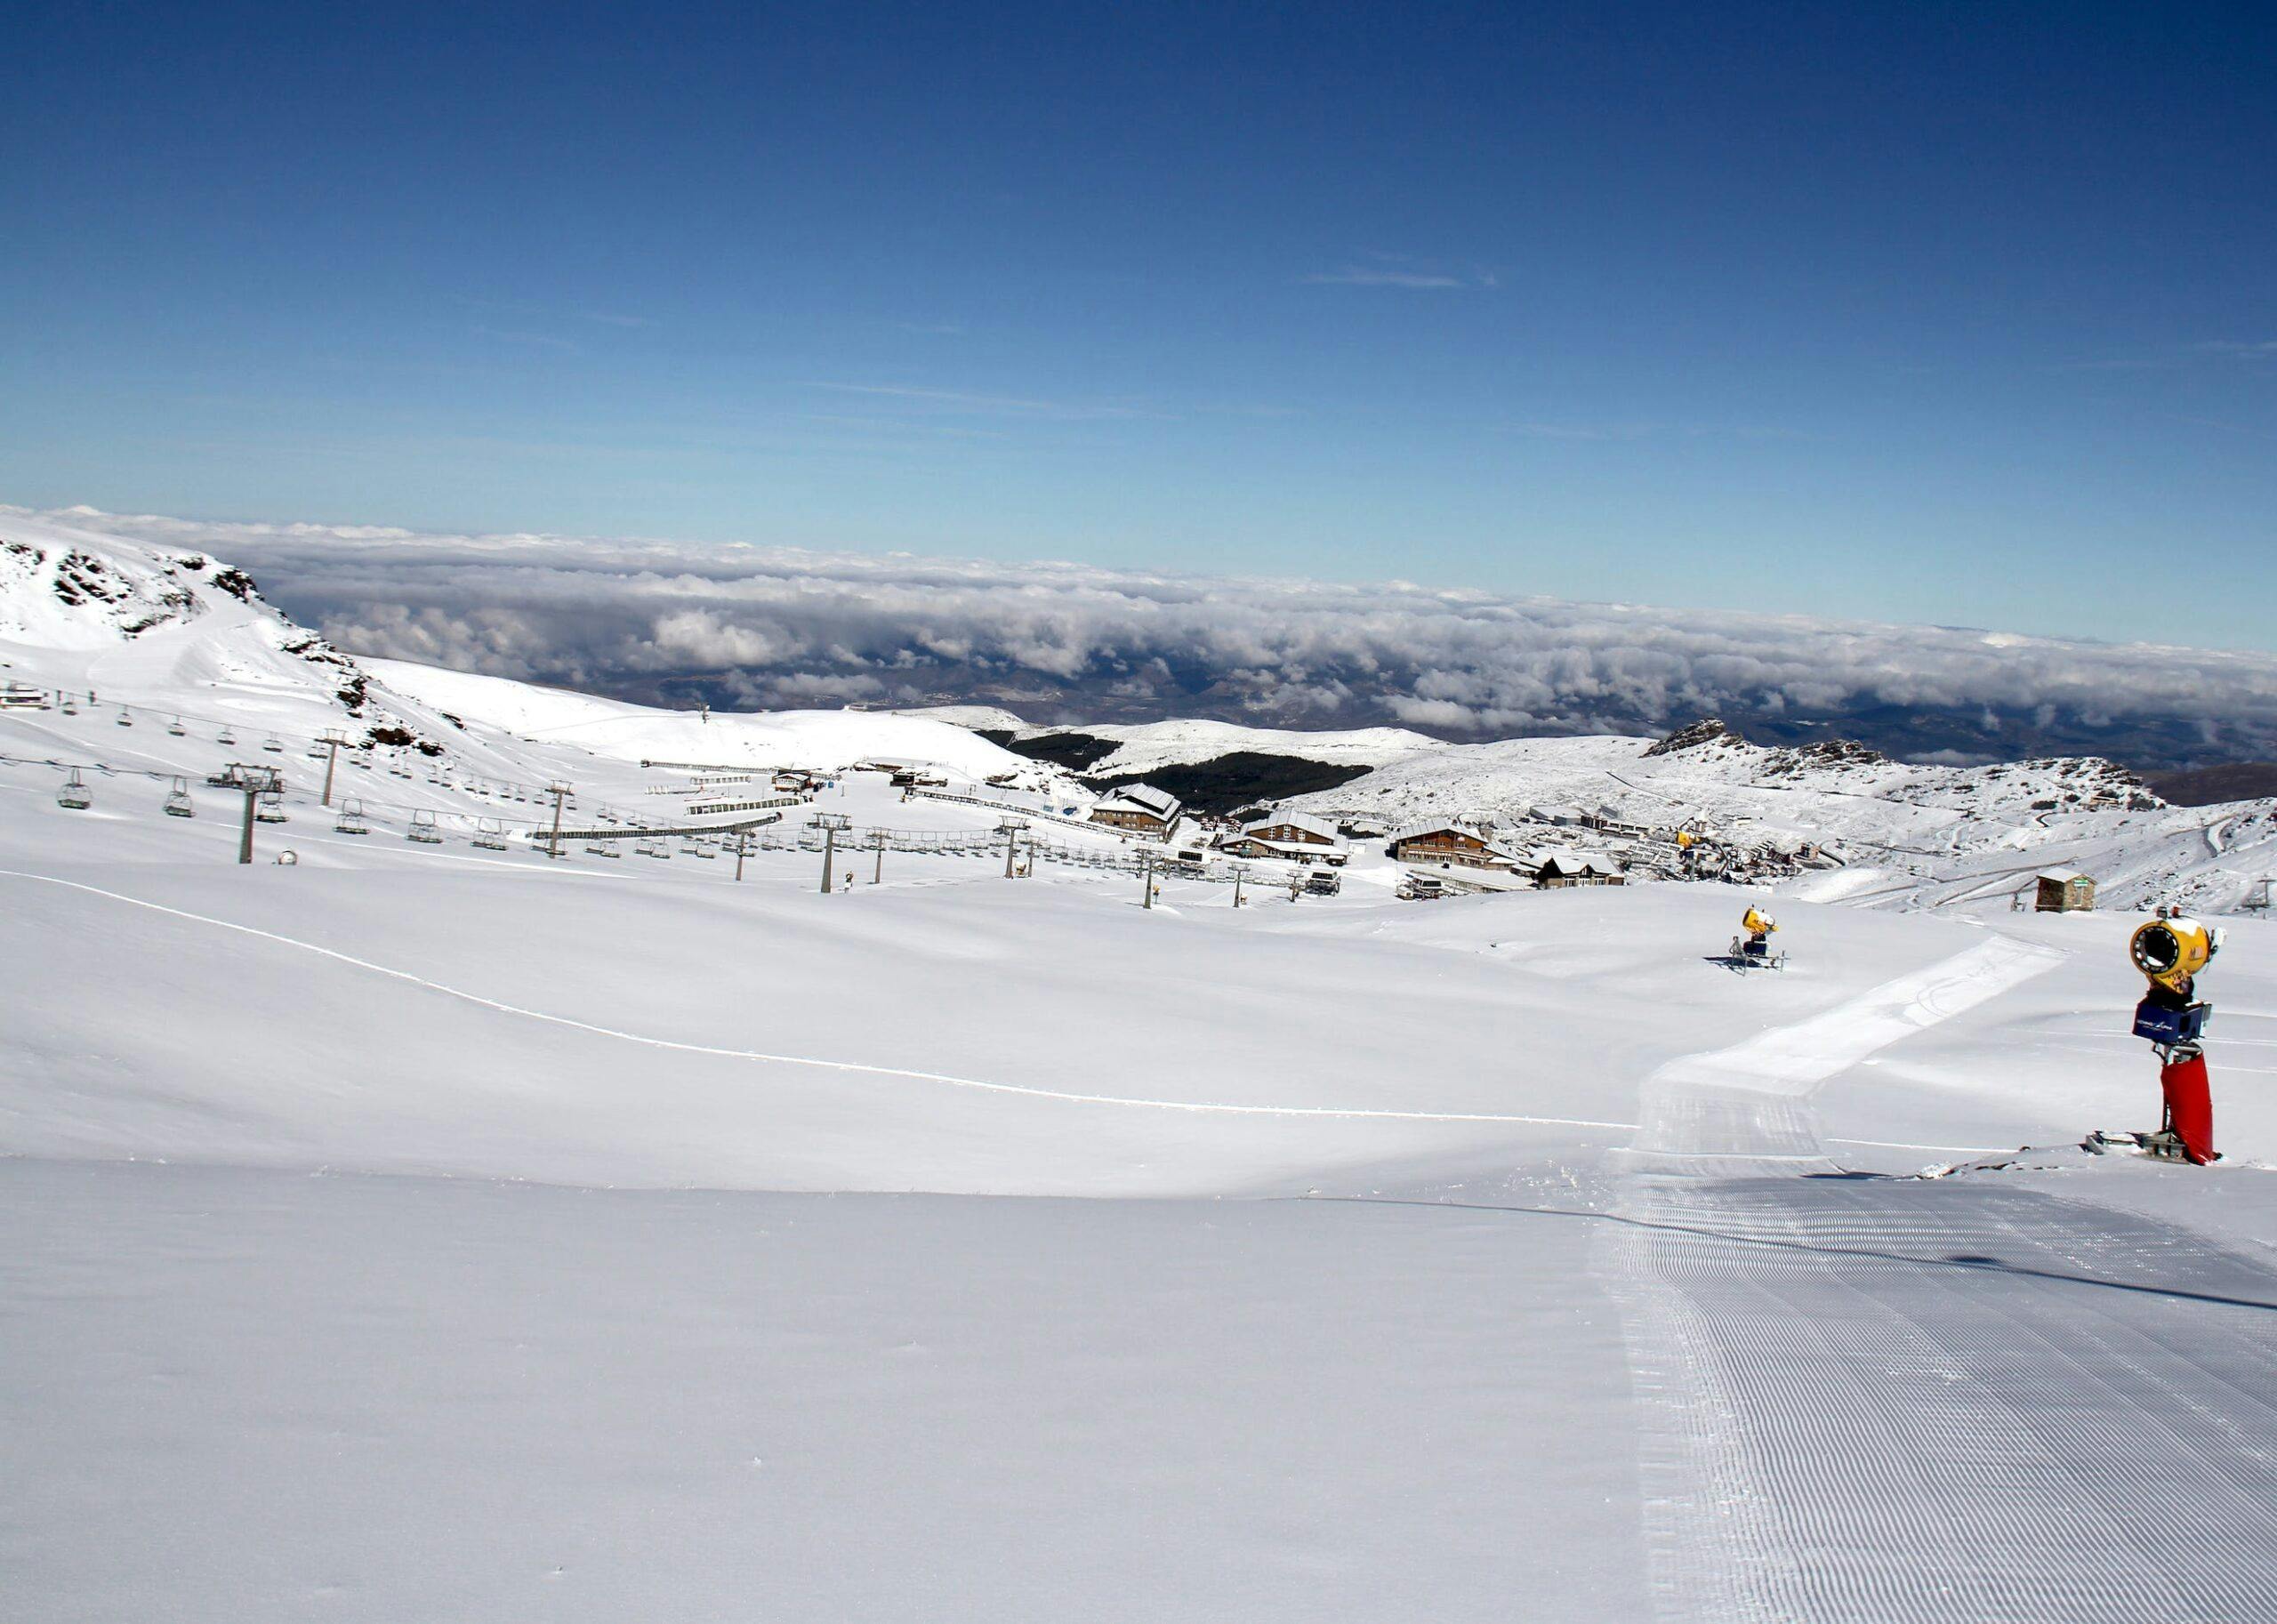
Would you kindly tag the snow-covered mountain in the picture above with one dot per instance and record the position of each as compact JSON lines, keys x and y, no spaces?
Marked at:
{"x":161,"y":638}
{"x":1573,"y":1229}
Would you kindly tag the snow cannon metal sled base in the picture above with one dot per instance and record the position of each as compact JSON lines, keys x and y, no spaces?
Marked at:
{"x":1754,"y":954}
{"x":2164,"y":1145}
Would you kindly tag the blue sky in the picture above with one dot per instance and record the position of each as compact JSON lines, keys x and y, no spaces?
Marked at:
{"x":1940,"y":314}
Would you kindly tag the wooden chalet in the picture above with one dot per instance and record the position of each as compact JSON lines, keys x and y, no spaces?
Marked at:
{"x":1557,"y":869}
{"x":1290,"y":829}
{"x":1139,"y":807}
{"x":1451,"y":845}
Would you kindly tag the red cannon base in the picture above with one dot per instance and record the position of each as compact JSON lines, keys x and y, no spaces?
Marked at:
{"x":2189,"y":1107}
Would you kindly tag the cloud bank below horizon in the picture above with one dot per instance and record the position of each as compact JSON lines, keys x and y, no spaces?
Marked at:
{"x":771,"y":627}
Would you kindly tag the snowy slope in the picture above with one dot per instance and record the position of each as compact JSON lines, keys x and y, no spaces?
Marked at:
{"x":828,"y":740}
{"x":595,"y":1238}
{"x":1911,"y":835}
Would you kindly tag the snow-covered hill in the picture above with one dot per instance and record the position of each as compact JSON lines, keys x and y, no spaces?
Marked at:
{"x":127,"y":632}
{"x":1566,"y":1226}
{"x":1909,"y":835}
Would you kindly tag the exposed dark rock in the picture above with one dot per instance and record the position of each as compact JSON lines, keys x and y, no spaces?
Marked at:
{"x":1708,"y":730}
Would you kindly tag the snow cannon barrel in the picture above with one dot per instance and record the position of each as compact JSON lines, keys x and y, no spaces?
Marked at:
{"x":2170,"y":951}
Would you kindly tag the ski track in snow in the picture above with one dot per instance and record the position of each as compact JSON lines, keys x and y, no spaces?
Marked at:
{"x":1198,"y":1107}
{"x":904,"y":1074}
{"x":1878,"y":1401}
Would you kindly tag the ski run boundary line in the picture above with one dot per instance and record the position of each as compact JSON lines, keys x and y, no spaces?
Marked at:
{"x":1191,"y":1107}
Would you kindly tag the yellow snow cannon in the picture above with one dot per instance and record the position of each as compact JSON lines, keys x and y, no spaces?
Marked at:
{"x":1751,"y":948}
{"x":2170,"y":951}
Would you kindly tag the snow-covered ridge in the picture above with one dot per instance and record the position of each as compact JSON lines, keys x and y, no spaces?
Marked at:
{"x":187,"y":634}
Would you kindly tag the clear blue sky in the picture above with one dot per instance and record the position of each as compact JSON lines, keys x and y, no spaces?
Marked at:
{"x":1950,"y":313}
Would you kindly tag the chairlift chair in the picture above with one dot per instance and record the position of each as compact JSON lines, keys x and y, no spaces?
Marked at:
{"x":74,"y":797}
{"x":176,"y":728}
{"x":178,"y":800}
{"x":70,"y":709}
{"x":225,"y":737}
{"x":270,"y":809}
{"x":351,"y":820}
{"x":274,"y":746}
{"x":423,"y":830}
{"x":124,"y":721}
{"x":490,"y":835}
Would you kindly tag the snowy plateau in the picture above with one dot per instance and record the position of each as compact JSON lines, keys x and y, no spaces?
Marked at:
{"x":431,"y":1227}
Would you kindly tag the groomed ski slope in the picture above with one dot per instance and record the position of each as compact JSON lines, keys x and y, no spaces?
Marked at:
{"x":428,"y":1232}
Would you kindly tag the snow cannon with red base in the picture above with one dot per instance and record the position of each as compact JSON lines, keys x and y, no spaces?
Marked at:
{"x":2170,"y":950}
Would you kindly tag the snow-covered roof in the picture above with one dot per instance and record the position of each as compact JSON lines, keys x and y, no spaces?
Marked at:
{"x":1446,"y":825}
{"x":1294,"y":820}
{"x":1567,"y":861}
{"x":2065,"y":876}
{"x":1143,"y":797}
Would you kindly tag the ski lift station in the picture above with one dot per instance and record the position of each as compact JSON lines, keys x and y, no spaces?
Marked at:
{"x":2061,"y":890}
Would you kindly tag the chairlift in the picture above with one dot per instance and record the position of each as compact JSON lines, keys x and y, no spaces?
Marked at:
{"x":178,"y":800}
{"x":176,"y":728}
{"x":270,"y":809}
{"x":490,"y":835}
{"x":423,"y":830}
{"x":274,"y":746}
{"x":351,"y":820}
{"x":225,"y":737}
{"x":287,"y":858}
{"x":74,"y":797}
{"x":124,"y":721}
{"x":69,"y":707}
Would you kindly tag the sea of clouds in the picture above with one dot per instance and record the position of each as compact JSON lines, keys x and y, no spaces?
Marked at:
{"x":762,"y":626}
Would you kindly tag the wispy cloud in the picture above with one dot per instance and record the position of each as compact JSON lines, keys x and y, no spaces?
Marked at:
{"x":537,"y":340}
{"x":1371,"y":275}
{"x":989,"y":406}
{"x":2212,"y":350}
{"x":1577,"y":432}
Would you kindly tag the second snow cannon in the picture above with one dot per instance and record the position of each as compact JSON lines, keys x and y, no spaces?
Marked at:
{"x":1751,"y":948}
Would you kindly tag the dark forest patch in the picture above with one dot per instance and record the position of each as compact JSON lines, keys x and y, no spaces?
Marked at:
{"x":1072,"y":751}
{"x":1224,"y":783}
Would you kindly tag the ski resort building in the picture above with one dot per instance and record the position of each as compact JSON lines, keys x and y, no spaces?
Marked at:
{"x":1290,"y":829}
{"x":1452,"y":844}
{"x":1247,"y":845}
{"x":1139,"y":807}
{"x":1557,"y":869}
{"x":2060,"y":890}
